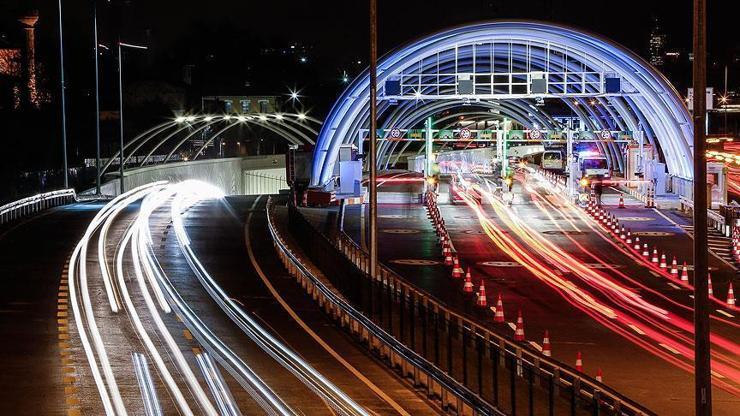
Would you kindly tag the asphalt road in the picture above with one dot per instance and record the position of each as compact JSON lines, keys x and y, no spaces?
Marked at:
{"x":408,"y":245}
{"x":32,"y":258}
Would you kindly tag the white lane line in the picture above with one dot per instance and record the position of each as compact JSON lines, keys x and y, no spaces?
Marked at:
{"x":636,"y":329}
{"x":729,"y":315}
{"x":512,"y":325}
{"x":669,"y":348}
{"x":536,"y":346}
{"x":674,"y":286}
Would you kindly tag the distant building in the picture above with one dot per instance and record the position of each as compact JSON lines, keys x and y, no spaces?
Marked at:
{"x":657,"y":45}
{"x":18,"y":68}
{"x":241,"y":104}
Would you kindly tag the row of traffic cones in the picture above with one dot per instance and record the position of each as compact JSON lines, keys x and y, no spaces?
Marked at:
{"x":451,"y":259}
{"x":671,"y":271}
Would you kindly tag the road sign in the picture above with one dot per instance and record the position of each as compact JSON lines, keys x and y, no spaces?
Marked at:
{"x":605,"y":134}
{"x":465,"y":134}
{"x":535,"y":134}
{"x":395,"y":134}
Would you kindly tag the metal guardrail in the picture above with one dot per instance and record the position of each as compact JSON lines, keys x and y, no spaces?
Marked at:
{"x":518,"y":378}
{"x":33,"y":204}
{"x":438,"y":384}
{"x":714,"y":218}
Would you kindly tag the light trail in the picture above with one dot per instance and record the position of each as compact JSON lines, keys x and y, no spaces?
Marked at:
{"x":283,"y":355}
{"x":629,"y":309}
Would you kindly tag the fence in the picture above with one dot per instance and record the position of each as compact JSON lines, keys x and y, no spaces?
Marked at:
{"x":33,"y":204}
{"x":512,"y":377}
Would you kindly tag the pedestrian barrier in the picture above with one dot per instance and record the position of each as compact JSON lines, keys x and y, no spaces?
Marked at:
{"x":512,"y":377}
{"x":36,"y":203}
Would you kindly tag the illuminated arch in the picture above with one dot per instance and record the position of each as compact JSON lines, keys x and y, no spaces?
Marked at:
{"x":646,"y":101}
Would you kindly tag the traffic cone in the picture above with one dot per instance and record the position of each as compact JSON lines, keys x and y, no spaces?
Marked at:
{"x":663,"y":264}
{"x":519,"y":333}
{"x":579,"y":362}
{"x":655,"y":256}
{"x":674,"y":267}
{"x":482,"y":301}
{"x":730,"y":296}
{"x":468,"y":285}
{"x":684,"y":273}
{"x":448,"y":257}
{"x":622,"y":234}
{"x":709,"y":284}
{"x":645,"y":251}
{"x":628,"y":240}
{"x":546,"y":347}
{"x":499,"y":316}
{"x":615,"y":223}
{"x":621,"y":201}
{"x":637,"y":243}
{"x":599,"y":376}
{"x":457,"y":271}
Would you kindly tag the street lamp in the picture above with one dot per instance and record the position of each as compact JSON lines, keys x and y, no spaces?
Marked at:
{"x":64,"y":109}
{"x":120,"y":100}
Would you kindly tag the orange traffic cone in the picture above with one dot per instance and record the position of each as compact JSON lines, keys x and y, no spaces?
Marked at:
{"x":546,"y":347}
{"x":655,"y":256}
{"x":628,"y":240}
{"x":482,"y":301}
{"x":684,"y":273}
{"x":579,"y":362}
{"x":674,"y":267}
{"x":637,"y":243}
{"x":663,"y":264}
{"x":468,"y":285}
{"x":599,"y":376}
{"x":457,"y":271}
{"x":645,"y":251}
{"x":621,"y":201}
{"x":519,"y":333}
{"x":730,"y":296}
{"x":622,"y":235}
{"x":499,"y":316}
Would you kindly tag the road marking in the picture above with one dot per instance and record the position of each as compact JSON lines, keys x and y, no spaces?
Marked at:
{"x":377,"y":390}
{"x":669,"y":348}
{"x":716,"y":374}
{"x":512,"y":325}
{"x":636,"y":329}
{"x":186,"y":333}
{"x":536,"y":346}
{"x":674,"y":286}
{"x":729,"y":315}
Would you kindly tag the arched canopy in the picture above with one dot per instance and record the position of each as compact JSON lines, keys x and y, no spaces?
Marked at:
{"x":502,"y":60}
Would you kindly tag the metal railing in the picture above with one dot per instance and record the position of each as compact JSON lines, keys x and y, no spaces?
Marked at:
{"x":714,"y":219}
{"x":512,"y":377}
{"x":438,"y":385}
{"x":33,"y":204}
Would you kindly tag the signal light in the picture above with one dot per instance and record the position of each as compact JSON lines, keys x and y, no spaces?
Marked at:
{"x":583,"y":182}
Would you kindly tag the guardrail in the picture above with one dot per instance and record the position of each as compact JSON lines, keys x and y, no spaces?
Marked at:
{"x":714,"y":219}
{"x":511,"y":376}
{"x":33,"y":204}
{"x":438,"y":384}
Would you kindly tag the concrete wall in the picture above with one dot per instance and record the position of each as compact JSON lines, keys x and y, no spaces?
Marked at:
{"x":231,"y":175}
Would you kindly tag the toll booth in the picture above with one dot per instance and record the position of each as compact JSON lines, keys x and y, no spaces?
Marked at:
{"x":717,"y":184}
{"x":634,"y":162}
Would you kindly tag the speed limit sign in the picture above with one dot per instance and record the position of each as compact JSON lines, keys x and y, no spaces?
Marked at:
{"x":606,"y":134}
{"x":535,"y":134}
{"x":465,"y":134}
{"x":395,"y":133}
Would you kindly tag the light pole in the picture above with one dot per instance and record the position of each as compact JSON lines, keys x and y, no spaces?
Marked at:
{"x":702,"y":350}
{"x":373,"y":126}
{"x":64,"y":109}
{"x":97,"y":99}
{"x":120,"y":102}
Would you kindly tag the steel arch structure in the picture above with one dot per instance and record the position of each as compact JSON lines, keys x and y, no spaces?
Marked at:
{"x":502,"y":59}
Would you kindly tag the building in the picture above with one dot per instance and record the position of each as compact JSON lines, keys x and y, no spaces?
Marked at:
{"x":657,"y":45}
{"x":18,"y":68}
{"x":241,"y":104}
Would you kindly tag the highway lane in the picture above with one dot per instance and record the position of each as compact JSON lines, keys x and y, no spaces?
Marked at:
{"x":33,"y":254}
{"x":217,"y":232}
{"x":406,"y":237}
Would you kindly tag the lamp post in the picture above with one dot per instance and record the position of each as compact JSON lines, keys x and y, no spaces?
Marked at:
{"x":120,"y":102}
{"x":373,"y":144}
{"x":97,"y":99}
{"x":64,"y":109}
{"x":702,"y":350}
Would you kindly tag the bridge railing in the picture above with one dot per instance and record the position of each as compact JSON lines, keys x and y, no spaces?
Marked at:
{"x":438,"y":384}
{"x":510,"y":376}
{"x":36,"y":203}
